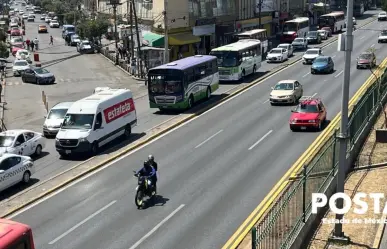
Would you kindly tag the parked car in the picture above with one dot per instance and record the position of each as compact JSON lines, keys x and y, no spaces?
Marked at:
{"x":288,"y":47}
{"x":15,"y":169}
{"x":300,"y":43}
{"x":322,"y":64}
{"x":22,"y":142}
{"x":366,"y":60}
{"x":38,"y":75}
{"x":19,"y":66}
{"x":85,"y":47}
{"x":277,"y":55}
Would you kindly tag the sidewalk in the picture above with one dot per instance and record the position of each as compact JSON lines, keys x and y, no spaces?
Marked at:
{"x":364,"y":235}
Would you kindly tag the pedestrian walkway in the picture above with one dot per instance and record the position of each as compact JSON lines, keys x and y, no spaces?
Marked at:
{"x":368,"y":233}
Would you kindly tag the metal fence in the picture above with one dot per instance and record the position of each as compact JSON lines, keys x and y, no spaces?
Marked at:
{"x":286,"y":217}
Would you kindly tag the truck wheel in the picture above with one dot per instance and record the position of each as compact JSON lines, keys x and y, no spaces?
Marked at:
{"x":128,"y":131}
{"x":94,"y":148}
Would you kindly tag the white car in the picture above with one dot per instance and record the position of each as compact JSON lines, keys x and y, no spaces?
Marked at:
{"x":382,"y":36}
{"x":47,"y":19}
{"x":310,"y":55}
{"x":323,"y":34}
{"x":382,"y":16}
{"x":22,"y":142}
{"x":55,"y":118}
{"x":300,"y":43}
{"x":285,"y":92}
{"x":54,"y":24}
{"x":43,"y":17}
{"x":25,"y":16}
{"x":277,"y":55}
{"x":15,"y":169}
{"x":20,"y":66}
{"x":23,"y":54}
{"x":21,"y":12}
{"x":288,"y":47}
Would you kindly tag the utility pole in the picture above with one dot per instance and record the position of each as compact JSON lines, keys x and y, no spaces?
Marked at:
{"x":115,"y":3}
{"x":260,"y":13}
{"x":344,"y":136}
{"x":166,"y":40}
{"x":131,"y":30}
{"x":139,"y":54}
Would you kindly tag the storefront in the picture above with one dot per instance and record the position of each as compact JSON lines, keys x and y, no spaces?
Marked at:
{"x":182,"y":45}
{"x":205,"y":29}
{"x":224,"y":33}
{"x":244,"y":25}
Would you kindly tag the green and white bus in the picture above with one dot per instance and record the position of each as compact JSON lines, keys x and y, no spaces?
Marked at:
{"x":239,"y":59}
{"x":179,"y":84}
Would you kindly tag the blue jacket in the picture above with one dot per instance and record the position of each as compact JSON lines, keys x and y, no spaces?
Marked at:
{"x":147,"y":172}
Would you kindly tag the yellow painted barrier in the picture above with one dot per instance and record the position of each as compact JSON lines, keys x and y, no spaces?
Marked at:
{"x":306,"y":157}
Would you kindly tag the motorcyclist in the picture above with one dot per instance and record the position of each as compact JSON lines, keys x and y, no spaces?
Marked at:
{"x":150,"y":172}
{"x":151,"y":160}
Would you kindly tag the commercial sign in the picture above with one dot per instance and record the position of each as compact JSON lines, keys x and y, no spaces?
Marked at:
{"x":203,"y":30}
{"x":118,"y":110}
{"x":267,"y":5}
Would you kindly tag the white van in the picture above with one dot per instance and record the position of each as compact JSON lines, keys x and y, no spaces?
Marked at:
{"x":55,"y":118}
{"x":95,"y":121}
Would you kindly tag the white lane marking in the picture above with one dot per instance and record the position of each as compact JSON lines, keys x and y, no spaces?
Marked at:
{"x":208,"y":139}
{"x":82,"y":222}
{"x":260,"y":140}
{"x":334,"y":56}
{"x":157,"y":227}
{"x":337,"y":75}
{"x":314,"y":95}
{"x":362,"y":37}
{"x":154,"y":140}
{"x":305,"y":75}
{"x":266,"y":101}
{"x":372,"y":45}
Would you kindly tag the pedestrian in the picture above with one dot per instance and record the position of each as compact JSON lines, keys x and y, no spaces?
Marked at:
{"x":120,"y":51}
{"x":51,"y":40}
{"x":32,"y":46}
{"x":36,"y":43}
{"x":1,"y":90}
{"x":124,"y":53}
{"x":133,"y":66}
{"x":28,"y":43}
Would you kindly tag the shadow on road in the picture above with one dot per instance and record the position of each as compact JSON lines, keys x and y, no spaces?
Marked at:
{"x":8,"y":193}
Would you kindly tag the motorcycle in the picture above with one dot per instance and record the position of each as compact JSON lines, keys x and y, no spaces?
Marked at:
{"x":143,"y":190}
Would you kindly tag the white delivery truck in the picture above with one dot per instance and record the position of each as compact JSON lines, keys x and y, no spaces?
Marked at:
{"x":95,"y":121}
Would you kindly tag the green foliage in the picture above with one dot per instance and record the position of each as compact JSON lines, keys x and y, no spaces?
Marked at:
{"x":4,"y":50}
{"x":384,"y":5}
{"x":90,"y":29}
{"x":74,"y":16}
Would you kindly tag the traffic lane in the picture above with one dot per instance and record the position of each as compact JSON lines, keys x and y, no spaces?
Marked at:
{"x":201,"y":167}
{"x":286,"y":114}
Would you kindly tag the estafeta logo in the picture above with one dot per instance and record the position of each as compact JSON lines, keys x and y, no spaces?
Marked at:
{"x":358,"y":204}
{"x":118,"y":110}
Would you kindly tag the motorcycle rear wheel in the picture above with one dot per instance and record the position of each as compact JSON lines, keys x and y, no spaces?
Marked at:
{"x":139,"y":198}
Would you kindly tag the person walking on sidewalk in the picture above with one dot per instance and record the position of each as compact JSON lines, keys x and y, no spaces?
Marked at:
{"x":36,"y":43}
{"x":51,"y":40}
{"x":32,"y":45}
{"x":28,"y":42}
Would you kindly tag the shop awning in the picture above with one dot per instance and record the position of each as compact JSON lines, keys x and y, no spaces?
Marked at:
{"x":182,"y":39}
{"x":154,"y":40}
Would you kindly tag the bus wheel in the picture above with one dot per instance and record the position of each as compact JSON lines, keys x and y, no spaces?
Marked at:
{"x":190,"y":102}
{"x":208,"y":93}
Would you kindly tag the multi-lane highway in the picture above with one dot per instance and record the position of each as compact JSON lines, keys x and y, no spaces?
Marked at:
{"x":214,"y":171}
{"x":76,"y":78}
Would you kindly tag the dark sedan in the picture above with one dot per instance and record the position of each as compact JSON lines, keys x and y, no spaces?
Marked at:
{"x":38,"y":75}
{"x":313,"y":37}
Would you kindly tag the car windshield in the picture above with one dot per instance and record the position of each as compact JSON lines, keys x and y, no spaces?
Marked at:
{"x":6,"y":141}
{"x":311,"y":52}
{"x":21,"y":63}
{"x":78,"y":121}
{"x":276,"y":51}
{"x":313,"y":33}
{"x":57,"y":114}
{"x":298,"y":40}
{"x":284,"y":86}
{"x":382,"y":13}
{"x":17,"y":40}
{"x":365,"y":56}
{"x":384,"y":32}
{"x":306,"y":108}
{"x":321,"y":60}
{"x":168,"y":83}
{"x":41,"y":71}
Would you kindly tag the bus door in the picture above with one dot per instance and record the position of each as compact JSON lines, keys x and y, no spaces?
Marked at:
{"x":262,"y":36}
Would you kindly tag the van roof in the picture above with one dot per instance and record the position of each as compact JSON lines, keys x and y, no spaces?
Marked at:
{"x":62,"y":105}
{"x":90,"y":103}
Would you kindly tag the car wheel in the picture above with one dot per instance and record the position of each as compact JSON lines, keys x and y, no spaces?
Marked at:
{"x":94,"y":149}
{"x":26,"y":177}
{"x":357,"y":67}
{"x":38,"y":150}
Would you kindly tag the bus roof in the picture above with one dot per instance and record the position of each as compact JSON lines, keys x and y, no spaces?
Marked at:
{"x":239,"y":45}
{"x":186,"y":62}
{"x":11,"y":231}
{"x":298,"y":19}
{"x":252,"y":32}
{"x":335,"y":13}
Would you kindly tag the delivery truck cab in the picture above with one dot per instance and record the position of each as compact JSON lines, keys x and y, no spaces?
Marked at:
{"x":95,"y":121}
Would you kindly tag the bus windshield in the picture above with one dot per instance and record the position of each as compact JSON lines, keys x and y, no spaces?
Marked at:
{"x":165,"y":83}
{"x":226,"y":58}
{"x":326,"y":21}
{"x":290,"y":26}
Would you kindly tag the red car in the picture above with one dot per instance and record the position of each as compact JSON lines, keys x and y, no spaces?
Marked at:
{"x":16,"y":47}
{"x":16,"y":32}
{"x":310,"y":113}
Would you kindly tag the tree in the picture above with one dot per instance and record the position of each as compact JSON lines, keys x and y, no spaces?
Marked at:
{"x":93,"y":29}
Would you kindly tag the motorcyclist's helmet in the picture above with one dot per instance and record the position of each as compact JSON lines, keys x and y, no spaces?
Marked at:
{"x":151,"y":158}
{"x":146,"y":164}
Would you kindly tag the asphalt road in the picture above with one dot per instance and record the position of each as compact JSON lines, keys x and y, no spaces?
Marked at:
{"x":76,"y":78}
{"x":213,"y":171}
